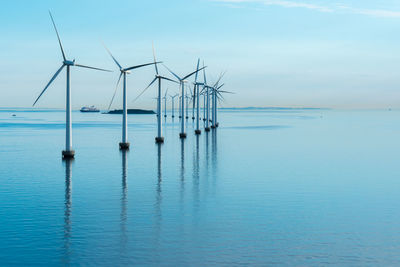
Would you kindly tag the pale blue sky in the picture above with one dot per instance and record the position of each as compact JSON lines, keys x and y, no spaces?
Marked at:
{"x":276,"y":53}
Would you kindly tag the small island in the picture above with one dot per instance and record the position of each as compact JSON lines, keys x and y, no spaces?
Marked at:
{"x":130,"y":111}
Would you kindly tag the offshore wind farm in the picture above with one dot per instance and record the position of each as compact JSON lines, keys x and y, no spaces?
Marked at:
{"x":260,"y":133}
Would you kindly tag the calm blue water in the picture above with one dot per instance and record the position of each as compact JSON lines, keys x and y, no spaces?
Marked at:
{"x":269,"y":187}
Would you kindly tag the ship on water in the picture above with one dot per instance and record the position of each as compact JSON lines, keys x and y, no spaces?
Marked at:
{"x":89,"y":109}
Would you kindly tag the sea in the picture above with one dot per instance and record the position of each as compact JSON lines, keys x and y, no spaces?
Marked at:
{"x":268,"y":187}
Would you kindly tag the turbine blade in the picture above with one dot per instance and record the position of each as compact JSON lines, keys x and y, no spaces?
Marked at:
{"x":204,"y":74}
{"x":155,"y":61}
{"x":166,"y":91}
{"x":219,"y":79}
{"x":196,"y":71}
{"x":168,"y":79}
{"x":197,"y":68}
{"x":48,"y":84}
{"x":173,"y":73}
{"x":116,"y":62}
{"x":142,"y":65}
{"x":115,"y":91}
{"x":145,"y":89}
{"x":226,"y":92}
{"x":58,"y":36}
{"x":93,"y":68}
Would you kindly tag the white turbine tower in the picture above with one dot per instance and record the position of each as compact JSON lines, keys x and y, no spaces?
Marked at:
{"x":207,"y":102}
{"x":172,"y":103}
{"x":214,"y":101}
{"x":123,"y":71}
{"x":180,"y":109}
{"x":159,"y":138}
{"x":196,"y":100}
{"x":187,"y":104}
{"x":165,"y":103}
{"x":68,"y":152}
{"x":219,"y":97}
{"x":182,"y":82}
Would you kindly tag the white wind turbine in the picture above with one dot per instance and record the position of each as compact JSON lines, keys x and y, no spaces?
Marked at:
{"x":196,"y":100}
{"x":214,"y":90}
{"x":123,"y":71}
{"x":68,"y":152}
{"x":179,"y":108}
{"x":159,"y":138}
{"x":182,"y":82}
{"x":218,"y":97}
{"x":165,"y":103}
{"x":172,"y":102}
{"x":207,"y":102}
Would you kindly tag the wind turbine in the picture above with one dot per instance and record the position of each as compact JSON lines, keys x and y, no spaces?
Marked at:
{"x":68,"y":152}
{"x":207,"y":96}
{"x":182,"y":82}
{"x":173,"y":101}
{"x":180,"y":103}
{"x":204,"y":94}
{"x":219,"y":97}
{"x":187,"y":104}
{"x":165,"y":103}
{"x":196,"y":100}
{"x":214,"y":100}
{"x":123,"y":71}
{"x":159,"y":138}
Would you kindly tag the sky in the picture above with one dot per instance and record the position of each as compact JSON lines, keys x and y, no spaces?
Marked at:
{"x":276,"y":53}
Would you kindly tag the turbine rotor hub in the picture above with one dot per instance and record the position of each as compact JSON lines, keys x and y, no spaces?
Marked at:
{"x":69,"y":62}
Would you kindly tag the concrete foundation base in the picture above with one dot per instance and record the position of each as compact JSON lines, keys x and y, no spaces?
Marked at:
{"x":70,"y":154}
{"x":187,"y":117}
{"x":197,"y":131}
{"x":204,"y":119}
{"x":217,"y":124}
{"x":180,"y":117}
{"x":124,"y":146}
{"x":159,"y":140}
{"x":207,"y":129}
{"x":182,"y":135}
{"x":173,"y":116}
{"x":192,"y":118}
{"x":165,"y":116}
{"x":212,"y":126}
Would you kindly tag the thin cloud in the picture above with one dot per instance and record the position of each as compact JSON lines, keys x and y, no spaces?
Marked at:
{"x":334,"y":8}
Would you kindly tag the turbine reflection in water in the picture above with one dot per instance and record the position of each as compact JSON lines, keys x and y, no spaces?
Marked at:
{"x":214,"y":158}
{"x":67,"y":210}
{"x":157,"y":205}
{"x":124,"y":203}
{"x":196,"y":173}
{"x":182,"y":173}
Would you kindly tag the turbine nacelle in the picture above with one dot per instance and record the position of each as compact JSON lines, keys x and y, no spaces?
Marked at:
{"x":69,"y":62}
{"x":126,"y":71}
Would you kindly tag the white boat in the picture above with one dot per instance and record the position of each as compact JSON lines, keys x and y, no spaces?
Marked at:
{"x":89,"y":109}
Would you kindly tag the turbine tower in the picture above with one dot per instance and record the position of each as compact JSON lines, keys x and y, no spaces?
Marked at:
{"x":196,"y":100}
{"x":207,"y":102}
{"x":165,"y":103}
{"x":182,"y":82}
{"x":219,"y":97}
{"x":172,"y":102}
{"x":159,"y":138}
{"x":214,"y":101}
{"x":123,"y":71}
{"x":68,"y":152}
